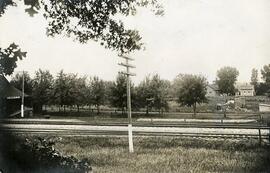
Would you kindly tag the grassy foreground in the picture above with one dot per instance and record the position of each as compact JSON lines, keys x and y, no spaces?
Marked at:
{"x":168,"y":154}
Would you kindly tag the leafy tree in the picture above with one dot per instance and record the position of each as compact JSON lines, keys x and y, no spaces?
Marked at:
{"x":118,"y":97}
{"x":98,"y":92}
{"x":190,"y":90}
{"x":42,"y":89}
{"x":17,"y":81}
{"x":63,"y":93}
{"x":144,"y":94}
{"x":94,"y":20}
{"x":263,"y":89}
{"x":153,"y":92}
{"x":80,"y":92}
{"x":254,"y":79}
{"x":266,"y":74}
{"x":91,"y":20}
{"x":9,"y":58}
{"x":226,"y":78}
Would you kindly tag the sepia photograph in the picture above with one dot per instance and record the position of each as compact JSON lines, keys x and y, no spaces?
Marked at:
{"x":134,"y":86}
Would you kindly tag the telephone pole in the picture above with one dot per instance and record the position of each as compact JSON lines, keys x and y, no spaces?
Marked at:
{"x":128,"y":74}
{"x":22,"y":106}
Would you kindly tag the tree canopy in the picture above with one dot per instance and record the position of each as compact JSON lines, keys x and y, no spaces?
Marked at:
{"x":83,"y":20}
{"x":190,"y":90}
{"x":9,"y":58}
{"x":226,"y":78}
{"x":266,"y":73}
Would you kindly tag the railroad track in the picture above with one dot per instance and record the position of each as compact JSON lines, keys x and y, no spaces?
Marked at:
{"x":154,"y":124}
{"x":243,"y":132}
{"x":264,"y":137}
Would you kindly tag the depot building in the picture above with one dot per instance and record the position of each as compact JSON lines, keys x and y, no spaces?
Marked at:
{"x":11,"y":99}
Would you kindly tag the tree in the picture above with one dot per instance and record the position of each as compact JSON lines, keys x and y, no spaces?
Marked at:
{"x":17,"y":81}
{"x":62,"y":89}
{"x":9,"y":58}
{"x":226,"y":78}
{"x":266,"y":74}
{"x":91,"y":20}
{"x":98,"y":92}
{"x":118,"y":96}
{"x":42,"y":89}
{"x":80,"y":91}
{"x":254,"y":79}
{"x":263,"y":89}
{"x":153,"y":92}
{"x":190,"y":90}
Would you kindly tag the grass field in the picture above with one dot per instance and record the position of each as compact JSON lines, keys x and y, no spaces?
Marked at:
{"x":168,"y":154}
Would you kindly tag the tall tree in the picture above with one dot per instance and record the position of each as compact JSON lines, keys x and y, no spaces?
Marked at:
{"x":254,"y":77}
{"x":80,"y":91}
{"x":190,"y":90}
{"x":98,"y":92}
{"x":118,"y":96}
{"x":17,"y":81}
{"x":42,"y":89}
{"x":266,"y":74}
{"x":63,"y":89}
{"x":226,"y":78}
{"x":153,"y":92}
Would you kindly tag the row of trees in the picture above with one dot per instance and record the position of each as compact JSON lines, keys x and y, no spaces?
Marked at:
{"x":151,"y":93}
{"x":71,"y":89}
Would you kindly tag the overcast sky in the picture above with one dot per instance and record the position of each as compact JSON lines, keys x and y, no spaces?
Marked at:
{"x":194,"y":36}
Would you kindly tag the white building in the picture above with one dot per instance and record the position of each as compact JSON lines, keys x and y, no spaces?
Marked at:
{"x":245,"y":89}
{"x":212,"y":90}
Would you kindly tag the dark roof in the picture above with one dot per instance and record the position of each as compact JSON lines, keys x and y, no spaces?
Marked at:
{"x":7,"y":90}
{"x":214,"y":87}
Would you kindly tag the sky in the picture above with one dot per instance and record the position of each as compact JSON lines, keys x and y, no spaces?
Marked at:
{"x":193,"y":36}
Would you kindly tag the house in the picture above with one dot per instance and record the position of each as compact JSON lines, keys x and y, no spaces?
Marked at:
{"x":10,"y":99}
{"x":212,"y":90}
{"x":245,"y":89}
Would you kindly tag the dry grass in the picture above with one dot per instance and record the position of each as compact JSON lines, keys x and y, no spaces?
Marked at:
{"x":168,"y":154}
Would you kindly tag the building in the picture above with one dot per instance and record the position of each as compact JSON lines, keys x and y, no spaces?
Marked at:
{"x":212,"y":90}
{"x":245,"y":89}
{"x":10,"y":99}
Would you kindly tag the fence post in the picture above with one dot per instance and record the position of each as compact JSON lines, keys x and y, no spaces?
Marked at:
{"x":260,"y":137}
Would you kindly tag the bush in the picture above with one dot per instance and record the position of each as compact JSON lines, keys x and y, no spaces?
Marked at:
{"x":38,"y":155}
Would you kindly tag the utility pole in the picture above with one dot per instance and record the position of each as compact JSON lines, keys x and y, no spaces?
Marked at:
{"x":128,"y":74}
{"x":22,"y":106}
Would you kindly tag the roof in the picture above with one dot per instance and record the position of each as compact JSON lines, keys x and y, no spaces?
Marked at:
{"x":7,"y":90}
{"x":214,"y":87}
{"x":245,"y":86}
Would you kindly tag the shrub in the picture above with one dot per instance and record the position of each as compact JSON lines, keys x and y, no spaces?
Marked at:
{"x":38,"y":155}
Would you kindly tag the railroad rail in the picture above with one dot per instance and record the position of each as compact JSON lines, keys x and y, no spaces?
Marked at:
{"x":195,"y":130}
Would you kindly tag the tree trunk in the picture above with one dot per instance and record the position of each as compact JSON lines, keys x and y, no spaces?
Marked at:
{"x":147,"y":110}
{"x":194,"y":109}
{"x":98,"y":110}
{"x":78,"y":108}
{"x":64,"y":108}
